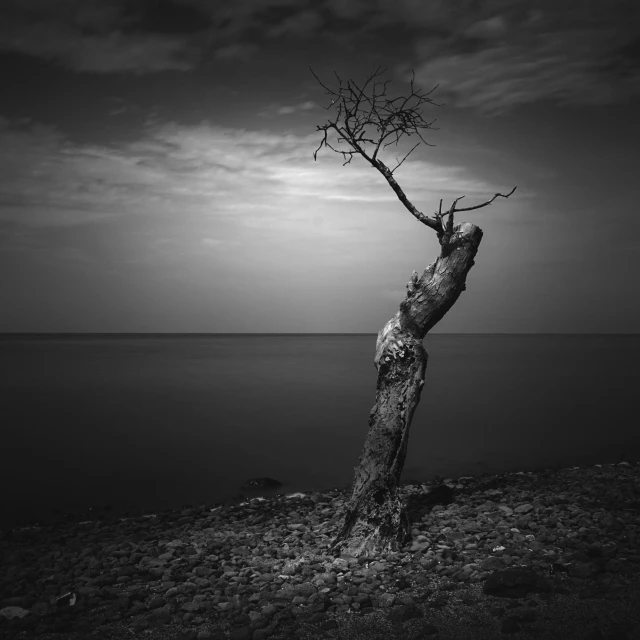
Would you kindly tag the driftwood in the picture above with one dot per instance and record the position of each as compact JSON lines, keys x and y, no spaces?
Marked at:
{"x":375,"y":519}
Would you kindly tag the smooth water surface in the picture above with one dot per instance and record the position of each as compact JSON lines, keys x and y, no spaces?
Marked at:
{"x":163,"y":421}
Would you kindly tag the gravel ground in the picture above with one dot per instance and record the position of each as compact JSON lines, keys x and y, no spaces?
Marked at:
{"x":545,"y":554}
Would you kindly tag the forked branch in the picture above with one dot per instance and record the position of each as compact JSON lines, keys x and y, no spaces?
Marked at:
{"x":359,"y":110}
{"x":447,"y":230}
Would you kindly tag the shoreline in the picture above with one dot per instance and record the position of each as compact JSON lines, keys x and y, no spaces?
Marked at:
{"x":111,"y":512}
{"x":259,"y":568}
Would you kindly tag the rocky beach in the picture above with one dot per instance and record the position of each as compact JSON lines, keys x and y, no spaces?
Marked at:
{"x":549,"y":553}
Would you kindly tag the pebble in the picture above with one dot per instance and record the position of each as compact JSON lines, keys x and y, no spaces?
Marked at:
{"x":254,"y":569}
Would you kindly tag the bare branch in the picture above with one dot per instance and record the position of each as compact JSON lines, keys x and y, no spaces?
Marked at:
{"x":450,"y":223}
{"x":403,"y":159}
{"x":484,"y":204}
{"x":325,"y":87}
{"x":358,"y":110}
{"x":453,"y":206}
{"x":395,"y":117}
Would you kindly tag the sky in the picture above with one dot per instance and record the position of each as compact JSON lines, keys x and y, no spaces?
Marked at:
{"x":157,"y":169}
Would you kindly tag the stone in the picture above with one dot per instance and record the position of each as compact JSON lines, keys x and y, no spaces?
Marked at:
{"x":386,"y":600}
{"x":13,"y":612}
{"x":429,"y":629}
{"x":442,"y":494}
{"x":527,"y":616}
{"x":234,"y":561}
{"x":523,"y":509}
{"x":582,"y":569}
{"x":510,"y":625}
{"x":404,"y":612}
{"x":516,"y":582}
{"x":328,"y":625}
{"x":261,"y":483}
{"x":290,"y":591}
{"x":41,"y":609}
{"x":242,"y":633}
{"x":491,"y":564}
{"x":419,"y":504}
{"x":403,"y":583}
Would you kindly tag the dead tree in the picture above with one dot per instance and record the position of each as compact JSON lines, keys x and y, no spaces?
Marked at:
{"x":375,"y":520}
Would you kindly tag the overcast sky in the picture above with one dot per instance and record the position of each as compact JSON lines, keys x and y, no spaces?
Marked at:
{"x":157,"y":171}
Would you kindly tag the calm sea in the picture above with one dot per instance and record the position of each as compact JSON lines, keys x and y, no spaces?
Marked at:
{"x":162,"y":421}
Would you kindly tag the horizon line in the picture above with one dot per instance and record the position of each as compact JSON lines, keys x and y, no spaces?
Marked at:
{"x":244,"y":333}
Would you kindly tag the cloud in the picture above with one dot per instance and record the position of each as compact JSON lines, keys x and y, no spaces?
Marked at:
{"x":212,"y":242}
{"x":139,"y":53}
{"x":220,"y":185}
{"x":119,"y":105}
{"x":236,"y":51}
{"x":490,"y":28}
{"x":108,"y":35}
{"x":560,"y":53}
{"x":303,"y":106}
{"x":511,"y":76}
{"x":286,"y":110}
{"x":347,"y":8}
{"x":491,"y":56}
{"x":301,"y":24}
{"x":105,"y":36}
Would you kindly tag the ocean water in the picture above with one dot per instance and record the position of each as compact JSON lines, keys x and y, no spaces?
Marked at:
{"x":154,"y":422}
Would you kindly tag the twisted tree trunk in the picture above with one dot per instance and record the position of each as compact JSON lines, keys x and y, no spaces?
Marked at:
{"x":375,"y":520}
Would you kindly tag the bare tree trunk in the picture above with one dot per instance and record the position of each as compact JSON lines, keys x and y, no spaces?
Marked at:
{"x":375,"y":520}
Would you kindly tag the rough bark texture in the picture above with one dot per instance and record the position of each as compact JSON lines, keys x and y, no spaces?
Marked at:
{"x":375,"y":520}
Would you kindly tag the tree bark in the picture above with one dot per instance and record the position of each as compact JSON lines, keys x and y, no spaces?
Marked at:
{"x":375,"y":520}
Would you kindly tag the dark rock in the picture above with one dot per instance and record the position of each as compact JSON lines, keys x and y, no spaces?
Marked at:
{"x":404,"y":612}
{"x":420,"y":504}
{"x":261,"y":483}
{"x":363,"y":600}
{"x":260,"y":623}
{"x":429,"y":629}
{"x":510,"y":625}
{"x":242,"y":633}
{"x":328,"y":625}
{"x":119,"y":559}
{"x":560,"y":567}
{"x":588,"y":591}
{"x":582,"y":569}
{"x":442,"y":494}
{"x":515,"y":583}
{"x":527,"y":616}
{"x":315,"y":618}
{"x":439,"y":601}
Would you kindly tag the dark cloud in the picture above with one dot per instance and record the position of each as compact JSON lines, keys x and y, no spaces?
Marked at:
{"x":624,"y":61}
{"x":107,"y":36}
{"x":93,"y":18}
{"x":490,"y":55}
{"x":165,"y":16}
{"x":573,"y":55}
